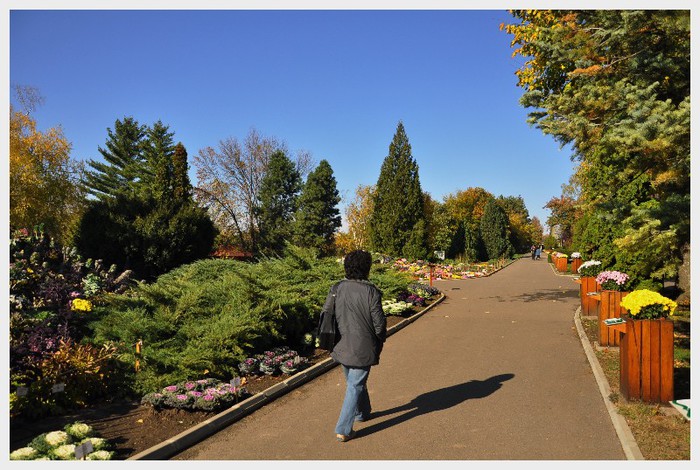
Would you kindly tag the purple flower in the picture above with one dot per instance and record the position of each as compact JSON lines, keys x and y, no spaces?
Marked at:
{"x":208,"y":397}
{"x":181,"y":397}
{"x":190,"y":385}
{"x":195,"y":393}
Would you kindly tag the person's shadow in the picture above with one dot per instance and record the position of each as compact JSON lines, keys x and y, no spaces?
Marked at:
{"x":437,"y":400}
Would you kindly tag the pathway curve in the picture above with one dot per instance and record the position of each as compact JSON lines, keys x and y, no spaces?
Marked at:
{"x":495,"y":372}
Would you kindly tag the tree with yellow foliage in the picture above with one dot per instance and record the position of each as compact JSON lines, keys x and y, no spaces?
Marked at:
{"x":44,"y":187}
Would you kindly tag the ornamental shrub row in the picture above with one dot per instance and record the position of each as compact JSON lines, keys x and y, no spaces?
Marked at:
{"x":205,"y":318}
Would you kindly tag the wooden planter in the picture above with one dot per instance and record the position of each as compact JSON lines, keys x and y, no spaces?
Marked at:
{"x":646,"y":359}
{"x":609,"y":307}
{"x":561,"y":264}
{"x":575,"y":264}
{"x":589,"y":305}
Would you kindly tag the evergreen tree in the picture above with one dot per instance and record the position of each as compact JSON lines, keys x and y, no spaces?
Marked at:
{"x":494,"y":231}
{"x":123,"y":160}
{"x":318,"y":216}
{"x":277,"y":203}
{"x":472,"y":241}
{"x":182,"y":188}
{"x":398,"y":200}
{"x":157,"y":174}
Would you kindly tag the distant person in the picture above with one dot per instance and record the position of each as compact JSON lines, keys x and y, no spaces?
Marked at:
{"x":362,"y":327}
{"x":538,"y":252}
{"x":532,"y":251}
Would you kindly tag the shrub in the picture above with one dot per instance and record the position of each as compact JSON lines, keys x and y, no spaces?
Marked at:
{"x":209,"y":316}
{"x":52,"y":293}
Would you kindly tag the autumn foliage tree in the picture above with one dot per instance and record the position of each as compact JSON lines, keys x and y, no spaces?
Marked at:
{"x":43,"y":179}
{"x":615,"y":86}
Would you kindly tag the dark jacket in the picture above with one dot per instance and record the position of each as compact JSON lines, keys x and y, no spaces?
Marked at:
{"x":361,"y":323}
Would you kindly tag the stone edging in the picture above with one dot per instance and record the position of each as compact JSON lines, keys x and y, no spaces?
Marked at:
{"x":627,"y":440}
{"x":197,"y":433}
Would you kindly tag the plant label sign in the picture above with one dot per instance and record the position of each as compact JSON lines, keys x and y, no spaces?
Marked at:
{"x":58,"y":388}
{"x":236,"y":381}
{"x":83,"y":449}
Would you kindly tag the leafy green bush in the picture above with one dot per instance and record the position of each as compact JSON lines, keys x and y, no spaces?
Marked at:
{"x":204,"y":318}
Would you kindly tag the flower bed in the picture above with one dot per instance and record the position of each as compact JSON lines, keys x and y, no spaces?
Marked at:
{"x":62,"y":445}
{"x":204,"y":394}
{"x":421,"y":270}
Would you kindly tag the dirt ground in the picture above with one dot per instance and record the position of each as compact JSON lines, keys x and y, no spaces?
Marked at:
{"x":131,"y":427}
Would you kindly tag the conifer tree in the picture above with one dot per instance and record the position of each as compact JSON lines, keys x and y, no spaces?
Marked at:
{"x":277,"y":203}
{"x":398,"y":201}
{"x":123,"y":160}
{"x":182,"y":188}
{"x":493,"y":228}
{"x":318,"y":216}
{"x":157,"y":173}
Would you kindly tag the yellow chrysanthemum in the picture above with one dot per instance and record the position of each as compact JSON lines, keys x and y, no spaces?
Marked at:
{"x":638,"y":300}
{"x":81,"y":305}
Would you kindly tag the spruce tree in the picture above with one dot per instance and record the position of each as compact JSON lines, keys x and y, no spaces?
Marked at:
{"x":123,"y":160}
{"x":494,"y":231}
{"x":158,"y":169}
{"x":398,"y":201}
{"x":318,"y":216}
{"x":277,"y":203}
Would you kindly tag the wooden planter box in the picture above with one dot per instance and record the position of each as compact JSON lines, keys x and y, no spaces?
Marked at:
{"x":575,"y":264}
{"x":646,"y":359}
{"x":589,"y":306}
{"x":561,"y":264}
{"x":609,"y":307}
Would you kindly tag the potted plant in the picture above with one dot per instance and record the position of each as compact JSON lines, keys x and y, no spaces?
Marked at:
{"x":612,"y":290}
{"x":588,"y":272}
{"x":646,"y":347}
{"x":576,"y":261}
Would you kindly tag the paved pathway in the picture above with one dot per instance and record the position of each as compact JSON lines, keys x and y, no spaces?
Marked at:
{"x":495,"y":372}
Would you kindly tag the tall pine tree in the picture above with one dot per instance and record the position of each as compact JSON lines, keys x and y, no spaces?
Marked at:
{"x":277,"y":203}
{"x":123,"y":160}
{"x":158,"y":171}
{"x":398,"y":201}
{"x":318,"y":216}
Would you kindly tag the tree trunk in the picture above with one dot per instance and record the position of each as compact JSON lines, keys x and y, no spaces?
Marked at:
{"x":684,"y":277}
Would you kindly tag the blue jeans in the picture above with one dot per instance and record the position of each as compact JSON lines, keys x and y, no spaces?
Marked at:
{"x":356,"y":404}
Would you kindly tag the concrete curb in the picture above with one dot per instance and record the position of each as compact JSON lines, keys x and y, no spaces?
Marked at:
{"x":195,"y":434}
{"x":627,"y":440}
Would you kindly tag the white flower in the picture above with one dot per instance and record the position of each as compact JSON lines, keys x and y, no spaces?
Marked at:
{"x":99,"y":455}
{"x":64,"y":452}
{"x":57,"y":438}
{"x":97,"y":442}
{"x":25,"y":453}
{"x":79,"y":430}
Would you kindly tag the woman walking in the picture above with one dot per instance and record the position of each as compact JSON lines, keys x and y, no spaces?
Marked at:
{"x":362,"y":327}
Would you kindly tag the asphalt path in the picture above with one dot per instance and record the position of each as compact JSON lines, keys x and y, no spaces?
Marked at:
{"x":495,"y":372}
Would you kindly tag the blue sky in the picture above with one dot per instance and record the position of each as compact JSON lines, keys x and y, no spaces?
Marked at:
{"x":334,"y":83}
